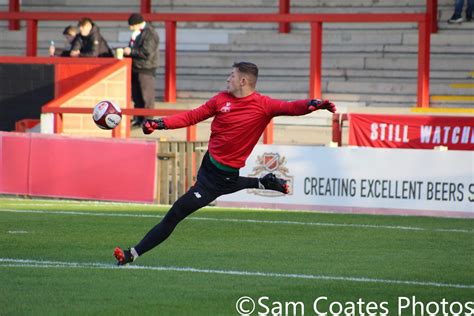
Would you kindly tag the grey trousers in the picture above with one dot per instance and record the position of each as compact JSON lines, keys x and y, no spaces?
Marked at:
{"x":143,"y":90}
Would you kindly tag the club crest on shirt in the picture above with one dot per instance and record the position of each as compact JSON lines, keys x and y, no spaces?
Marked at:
{"x":274,"y":163}
{"x":225,"y":108}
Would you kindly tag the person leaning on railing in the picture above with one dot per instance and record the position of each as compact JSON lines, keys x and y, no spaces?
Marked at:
{"x":89,"y":42}
{"x":70,"y":33}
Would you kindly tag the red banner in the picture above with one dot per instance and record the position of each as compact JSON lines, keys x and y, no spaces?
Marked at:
{"x":411,"y":131}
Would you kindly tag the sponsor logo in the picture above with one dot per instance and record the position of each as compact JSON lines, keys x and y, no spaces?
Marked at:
{"x":197,"y":194}
{"x":274,"y":163}
{"x":226,"y":108}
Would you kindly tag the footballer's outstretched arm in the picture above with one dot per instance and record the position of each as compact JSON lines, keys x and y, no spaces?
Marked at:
{"x":299,"y":107}
{"x":180,"y":120}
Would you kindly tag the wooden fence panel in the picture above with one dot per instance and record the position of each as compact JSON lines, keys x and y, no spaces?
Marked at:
{"x":181,"y":168}
{"x":178,"y":163}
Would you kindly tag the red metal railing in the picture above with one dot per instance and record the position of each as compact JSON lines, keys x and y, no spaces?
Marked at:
{"x":14,"y":6}
{"x":145,"y":8}
{"x":316,"y":21}
{"x":190,"y":130}
{"x":284,"y":8}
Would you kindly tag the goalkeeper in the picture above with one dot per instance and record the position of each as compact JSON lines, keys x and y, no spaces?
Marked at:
{"x":240,"y":117}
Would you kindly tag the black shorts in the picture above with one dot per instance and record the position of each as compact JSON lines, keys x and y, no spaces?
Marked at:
{"x":217,"y":182}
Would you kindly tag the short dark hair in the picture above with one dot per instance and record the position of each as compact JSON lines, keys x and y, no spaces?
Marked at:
{"x":84,"y":21}
{"x":247,"y":68}
{"x":70,"y":29}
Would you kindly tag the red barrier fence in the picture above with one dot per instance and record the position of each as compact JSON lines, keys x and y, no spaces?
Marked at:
{"x":94,"y":168}
{"x":315,"y":20}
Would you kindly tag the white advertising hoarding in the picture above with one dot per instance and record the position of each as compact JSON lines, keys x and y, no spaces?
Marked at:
{"x":364,"y":180}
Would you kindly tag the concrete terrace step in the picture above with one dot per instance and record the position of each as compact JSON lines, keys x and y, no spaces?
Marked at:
{"x":367,"y":49}
{"x":348,"y":74}
{"x":393,"y":86}
{"x":329,"y":75}
{"x":460,"y":38}
{"x":330,"y":37}
{"x":437,"y":64}
{"x":353,"y":37}
{"x":342,"y":100}
{"x":333,"y":61}
{"x":264,"y":60}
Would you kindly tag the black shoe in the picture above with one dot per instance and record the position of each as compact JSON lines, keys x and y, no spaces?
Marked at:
{"x":455,"y":20}
{"x":123,"y":257}
{"x":468,"y":18}
{"x":271,"y":182}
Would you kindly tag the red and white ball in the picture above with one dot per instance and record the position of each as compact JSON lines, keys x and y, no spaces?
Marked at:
{"x":107,"y":114}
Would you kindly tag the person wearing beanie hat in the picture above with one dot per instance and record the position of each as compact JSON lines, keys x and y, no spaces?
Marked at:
{"x":135,"y":19}
{"x":143,"y":49}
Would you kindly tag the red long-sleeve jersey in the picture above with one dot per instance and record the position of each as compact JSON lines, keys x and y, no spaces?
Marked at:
{"x":238,"y":123}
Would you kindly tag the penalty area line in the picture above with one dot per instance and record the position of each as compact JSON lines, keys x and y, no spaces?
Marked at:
{"x":253,"y":221}
{"x":27,"y":263}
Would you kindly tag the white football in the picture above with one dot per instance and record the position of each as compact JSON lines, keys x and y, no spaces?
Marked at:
{"x":107,"y":114}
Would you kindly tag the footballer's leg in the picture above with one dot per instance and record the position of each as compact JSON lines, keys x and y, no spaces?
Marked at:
{"x":123,"y":256}
{"x":190,"y":202}
{"x":272,"y":182}
{"x":267,"y":182}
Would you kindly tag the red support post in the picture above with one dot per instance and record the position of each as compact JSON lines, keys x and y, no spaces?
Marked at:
{"x":31,"y":37}
{"x":315,"y":68}
{"x":284,"y":8}
{"x":170,"y":62}
{"x":268,"y":133}
{"x":432,"y":14}
{"x":14,"y":6}
{"x":423,"y":97}
{"x":191,"y":133}
{"x":145,"y":6}
{"x":337,"y":129}
{"x":58,"y":123}
{"x":117,"y":132}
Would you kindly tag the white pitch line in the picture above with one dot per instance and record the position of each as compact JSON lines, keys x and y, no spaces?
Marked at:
{"x":255,"y":221}
{"x":18,"y":263}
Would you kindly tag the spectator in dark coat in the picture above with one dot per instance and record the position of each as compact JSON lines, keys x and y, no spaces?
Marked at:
{"x":143,"y":49}
{"x":89,"y":42}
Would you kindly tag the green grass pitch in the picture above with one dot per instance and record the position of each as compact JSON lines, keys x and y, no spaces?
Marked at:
{"x":56,"y":259}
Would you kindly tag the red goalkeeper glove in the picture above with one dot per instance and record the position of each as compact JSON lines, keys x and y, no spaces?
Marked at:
{"x":315,"y":104}
{"x":150,"y":125}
